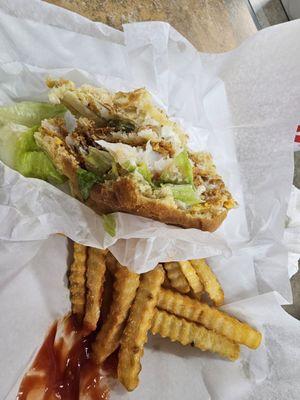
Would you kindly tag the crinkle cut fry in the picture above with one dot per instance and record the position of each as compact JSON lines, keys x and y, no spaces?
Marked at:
{"x":112,"y":263}
{"x":218,"y":321}
{"x":138,"y":324}
{"x":186,"y":332}
{"x":77,"y":280}
{"x":176,"y":277}
{"x":192,"y":278}
{"x":109,"y":336}
{"x":209,"y":280}
{"x":95,"y":277}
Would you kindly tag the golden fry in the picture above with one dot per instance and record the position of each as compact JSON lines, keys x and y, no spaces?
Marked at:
{"x":192,"y":278}
{"x":95,"y":277}
{"x":77,"y":280}
{"x":166,"y":283}
{"x":111,"y":263}
{"x":185,"y":332}
{"x":210,"y":282}
{"x":210,"y":317}
{"x":176,"y":277}
{"x":139,"y":322}
{"x":109,"y":336}
{"x":106,"y":296}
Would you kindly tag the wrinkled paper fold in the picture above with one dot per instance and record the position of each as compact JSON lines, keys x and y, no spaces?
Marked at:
{"x":243,"y":107}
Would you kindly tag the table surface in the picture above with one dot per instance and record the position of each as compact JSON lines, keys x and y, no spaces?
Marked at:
{"x":211,"y":25}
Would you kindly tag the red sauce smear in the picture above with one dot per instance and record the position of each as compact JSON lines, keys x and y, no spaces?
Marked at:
{"x":66,"y":372}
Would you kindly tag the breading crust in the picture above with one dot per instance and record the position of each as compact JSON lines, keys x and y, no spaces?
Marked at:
{"x":124,"y":195}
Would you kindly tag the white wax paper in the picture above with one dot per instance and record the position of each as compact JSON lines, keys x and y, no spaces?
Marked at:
{"x":243,"y":107}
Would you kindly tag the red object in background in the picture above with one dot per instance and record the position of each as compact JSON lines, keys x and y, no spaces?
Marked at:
{"x":297,"y":137}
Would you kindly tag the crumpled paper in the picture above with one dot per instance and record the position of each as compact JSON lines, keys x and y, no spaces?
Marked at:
{"x":242,"y":106}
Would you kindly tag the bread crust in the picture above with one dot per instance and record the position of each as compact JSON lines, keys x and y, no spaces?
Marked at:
{"x":123,"y":195}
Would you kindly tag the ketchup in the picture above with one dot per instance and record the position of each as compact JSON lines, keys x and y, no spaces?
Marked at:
{"x":63,"y":368}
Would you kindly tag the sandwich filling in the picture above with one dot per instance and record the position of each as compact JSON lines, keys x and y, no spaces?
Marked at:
{"x":125,"y":135}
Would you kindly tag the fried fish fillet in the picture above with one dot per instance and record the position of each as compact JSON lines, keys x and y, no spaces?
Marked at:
{"x":95,"y":277}
{"x":176,"y":277}
{"x":210,"y":317}
{"x":192,"y":278}
{"x":109,"y":336}
{"x":151,"y":172}
{"x":139,"y":322}
{"x":77,"y":280}
{"x":209,"y":280}
{"x":186,"y":332}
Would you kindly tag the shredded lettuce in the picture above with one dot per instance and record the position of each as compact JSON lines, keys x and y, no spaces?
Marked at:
{"x":130,"y":157}
{"x":109,"y":224}
{"x":185,"y":193}
{"x":128,"y":166}
{"x":179,"y":171}
{"x":20,"y":151}
{"x":98,"y":161}
{"x":86,"y":180}
{"x":113,"y":173}
{"x":145,"y":172}
{"x":30,"y":113}
{"x":184,"y":165}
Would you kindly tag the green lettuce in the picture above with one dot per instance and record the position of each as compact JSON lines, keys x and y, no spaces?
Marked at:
{"x":9,"y":137}
{"x":86,"y":180}
{"x":184,"y":166}
{"x":30,"y":113}
{"x":20,"y":151}
{"x":145,"y":172}
{"x":129,"y":166}
{"x":109,"y":224}
{"x":98,"y":161}
{"x":180,"y":171}
{"x":185,"y":193}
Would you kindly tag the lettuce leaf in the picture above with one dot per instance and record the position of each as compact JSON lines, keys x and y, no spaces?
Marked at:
{"x":184,"y":166}
{"x":9,"y":136}
{"x":145,"y":172}
{"x":179,"y":171}
{"x":109,"y":224}
{"x":185,"y":193}
{"x":86,"y":180}
{"x":19,"y":151}
{"x":98,"y":161}
{"x":30,"y":113}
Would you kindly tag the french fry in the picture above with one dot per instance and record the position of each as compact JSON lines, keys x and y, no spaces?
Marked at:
{"x":210,"y":282}
{"x":95,"y":277}
{"x":210,"y":317}
{"x":186,"y":332}
{"x":176,"y":277}
{"x":166,"y":283}
{"x":111,"y":263}
{"x":77,"y":280}
{"x":106,"y":296}
{"x":139,"y":322}
{"x":109,"y":336}
{"x":192,"y":278}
